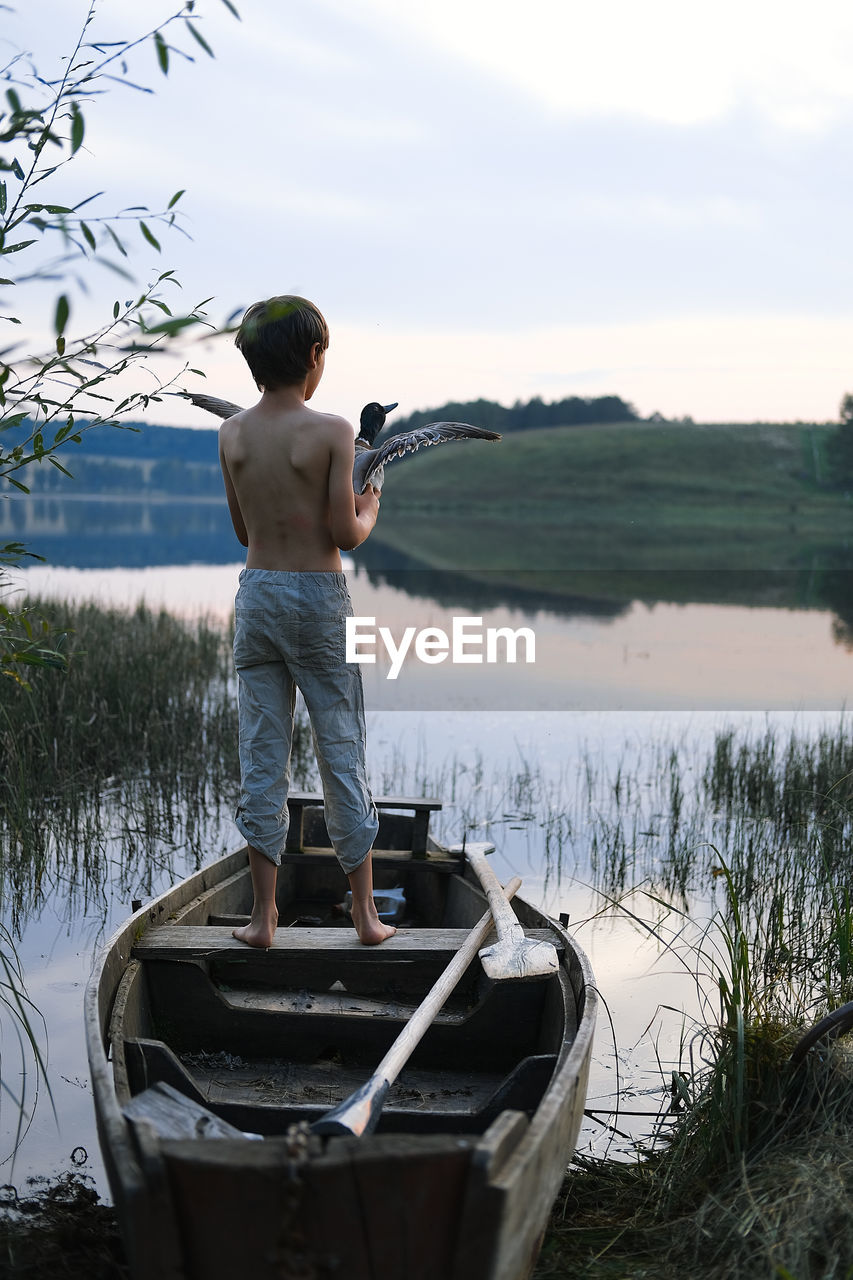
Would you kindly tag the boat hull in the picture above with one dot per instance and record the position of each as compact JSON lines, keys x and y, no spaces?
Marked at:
{"x":458,"y":1180}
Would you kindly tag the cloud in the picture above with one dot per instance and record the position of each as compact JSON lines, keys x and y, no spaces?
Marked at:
{"x":663,"y":60}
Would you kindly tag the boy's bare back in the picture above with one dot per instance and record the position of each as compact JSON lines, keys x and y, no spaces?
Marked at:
{"x":288,"y":477}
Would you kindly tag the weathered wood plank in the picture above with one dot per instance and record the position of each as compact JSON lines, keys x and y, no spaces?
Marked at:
{"x":240,"y":1205}
{"x":436,"y":862}
{"x":410,"y":1208}
{"x":409,"y":831}
{"x":131,"y":1016}
{"x":342,"y":1003}
{"x":416,"y":803}
{"x":226,"y":895}
{"x":198,"y":942}
{"x":534,"y":1170}
{"x":482,"y":1203}
{"x":271,"y":1083}
{"x":173,"y":1115}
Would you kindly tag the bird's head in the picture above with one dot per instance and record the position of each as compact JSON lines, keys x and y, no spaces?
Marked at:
{"x":373,"y":419}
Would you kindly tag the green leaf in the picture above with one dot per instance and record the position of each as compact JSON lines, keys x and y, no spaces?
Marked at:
{"x":64,"y":431}
{"x":200,"y":38}
{"x":16,"y":248}
{"x":2,"y":197}
{"x":23,"y":488}
{"x":78,"y":128}
{"x":63,"y":310}
{"x":230,"y":7}
{"x":60,"y":345}
{"x":116,"y":310}
{"x":173,"y":326}
{"x":148,"y":235}
{"x":175,"y":198}
{"x":89,"y":236}
{"x":14,"y":101}
{"x":118,"y":244}
{"x":17,"y":170}
{"x":60,"y":467}
{"x":162,"y":52}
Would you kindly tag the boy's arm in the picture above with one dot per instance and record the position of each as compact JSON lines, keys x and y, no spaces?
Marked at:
{"x":233,"y":505}
{"x":351,"y":515}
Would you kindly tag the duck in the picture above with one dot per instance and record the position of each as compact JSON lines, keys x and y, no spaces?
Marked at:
{"x":370,"y":458}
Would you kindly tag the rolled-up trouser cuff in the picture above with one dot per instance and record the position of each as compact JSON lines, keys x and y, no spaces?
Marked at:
{"x":271,"y":848}
{"x":354,"y":848}
{"x":351,"y":850}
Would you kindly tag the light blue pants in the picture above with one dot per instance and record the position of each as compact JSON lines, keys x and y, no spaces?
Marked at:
{"x":290,"y":632}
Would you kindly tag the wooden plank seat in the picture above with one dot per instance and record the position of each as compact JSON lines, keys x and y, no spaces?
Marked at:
{"x":420,"y":807}
{"x":266,"y":1095}
{"x":198,"y":942}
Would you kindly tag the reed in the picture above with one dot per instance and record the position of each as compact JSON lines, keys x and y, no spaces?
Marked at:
{"x":741,"y":850}
{"x":751,"y":1176}
{"x":128,"y":757}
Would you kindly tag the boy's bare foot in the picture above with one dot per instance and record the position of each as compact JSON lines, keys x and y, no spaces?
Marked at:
{"x":257,"y":933}
{"x":370,"y":929}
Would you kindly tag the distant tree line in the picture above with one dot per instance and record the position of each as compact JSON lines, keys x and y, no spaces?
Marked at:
{"x":174,"y":459}
{"x":573,"y":411}
{"x":132,"y":440}
{"x":840,"y":447}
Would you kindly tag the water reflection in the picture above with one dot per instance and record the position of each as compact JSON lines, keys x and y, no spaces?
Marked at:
{"x":645,"y":655}
{"x":76,"y":530}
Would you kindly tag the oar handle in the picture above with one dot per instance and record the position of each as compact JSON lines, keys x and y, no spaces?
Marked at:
{"x":505,"y":919}
{"x":359,"y":1113}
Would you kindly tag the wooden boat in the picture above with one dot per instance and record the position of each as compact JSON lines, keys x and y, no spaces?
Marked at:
{"x":458,"y":1179}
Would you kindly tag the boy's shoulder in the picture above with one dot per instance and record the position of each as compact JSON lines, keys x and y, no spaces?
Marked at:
{"x":337,"y":423}
{"x":239,"y":432}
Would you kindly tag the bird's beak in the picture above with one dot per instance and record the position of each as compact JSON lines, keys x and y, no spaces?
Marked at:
{"x":389,"y":407}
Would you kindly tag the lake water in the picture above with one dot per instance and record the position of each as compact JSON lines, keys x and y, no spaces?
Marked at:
{"x":602,"y":691}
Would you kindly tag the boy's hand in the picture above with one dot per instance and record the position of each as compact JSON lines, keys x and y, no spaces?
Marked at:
{"x":367,"y":504}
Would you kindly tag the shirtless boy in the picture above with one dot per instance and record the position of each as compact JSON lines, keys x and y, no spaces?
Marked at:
{"x":288,"y":479}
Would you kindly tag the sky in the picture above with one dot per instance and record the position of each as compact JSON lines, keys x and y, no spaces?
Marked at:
{"x":496,"y":199}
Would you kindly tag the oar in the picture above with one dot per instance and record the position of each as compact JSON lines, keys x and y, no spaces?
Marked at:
{"x":513,"y":955}
{"x":359,"y":1113}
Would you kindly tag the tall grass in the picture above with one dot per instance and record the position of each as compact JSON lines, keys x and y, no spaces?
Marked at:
{"x":754,"y":1178}
{"x":130,"y":755}
{"x":743,"y":849}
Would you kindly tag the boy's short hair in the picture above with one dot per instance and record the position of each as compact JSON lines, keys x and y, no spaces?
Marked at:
{"x":276,"y":337}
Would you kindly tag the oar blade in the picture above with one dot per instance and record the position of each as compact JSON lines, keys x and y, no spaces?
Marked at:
{"x":356,"y":1115}
{"x":513,"y":960}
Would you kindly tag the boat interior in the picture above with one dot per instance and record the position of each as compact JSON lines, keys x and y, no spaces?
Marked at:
{"x":266,"y":1038}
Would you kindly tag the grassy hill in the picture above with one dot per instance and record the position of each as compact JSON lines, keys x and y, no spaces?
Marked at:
{"x":621,"y":499}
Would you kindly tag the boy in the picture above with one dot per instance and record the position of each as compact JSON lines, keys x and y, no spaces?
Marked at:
{"x":288,"y":480}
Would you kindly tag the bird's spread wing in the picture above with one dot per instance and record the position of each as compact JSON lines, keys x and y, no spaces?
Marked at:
{"x":422,"y":438}
{"x":212,"y":404}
